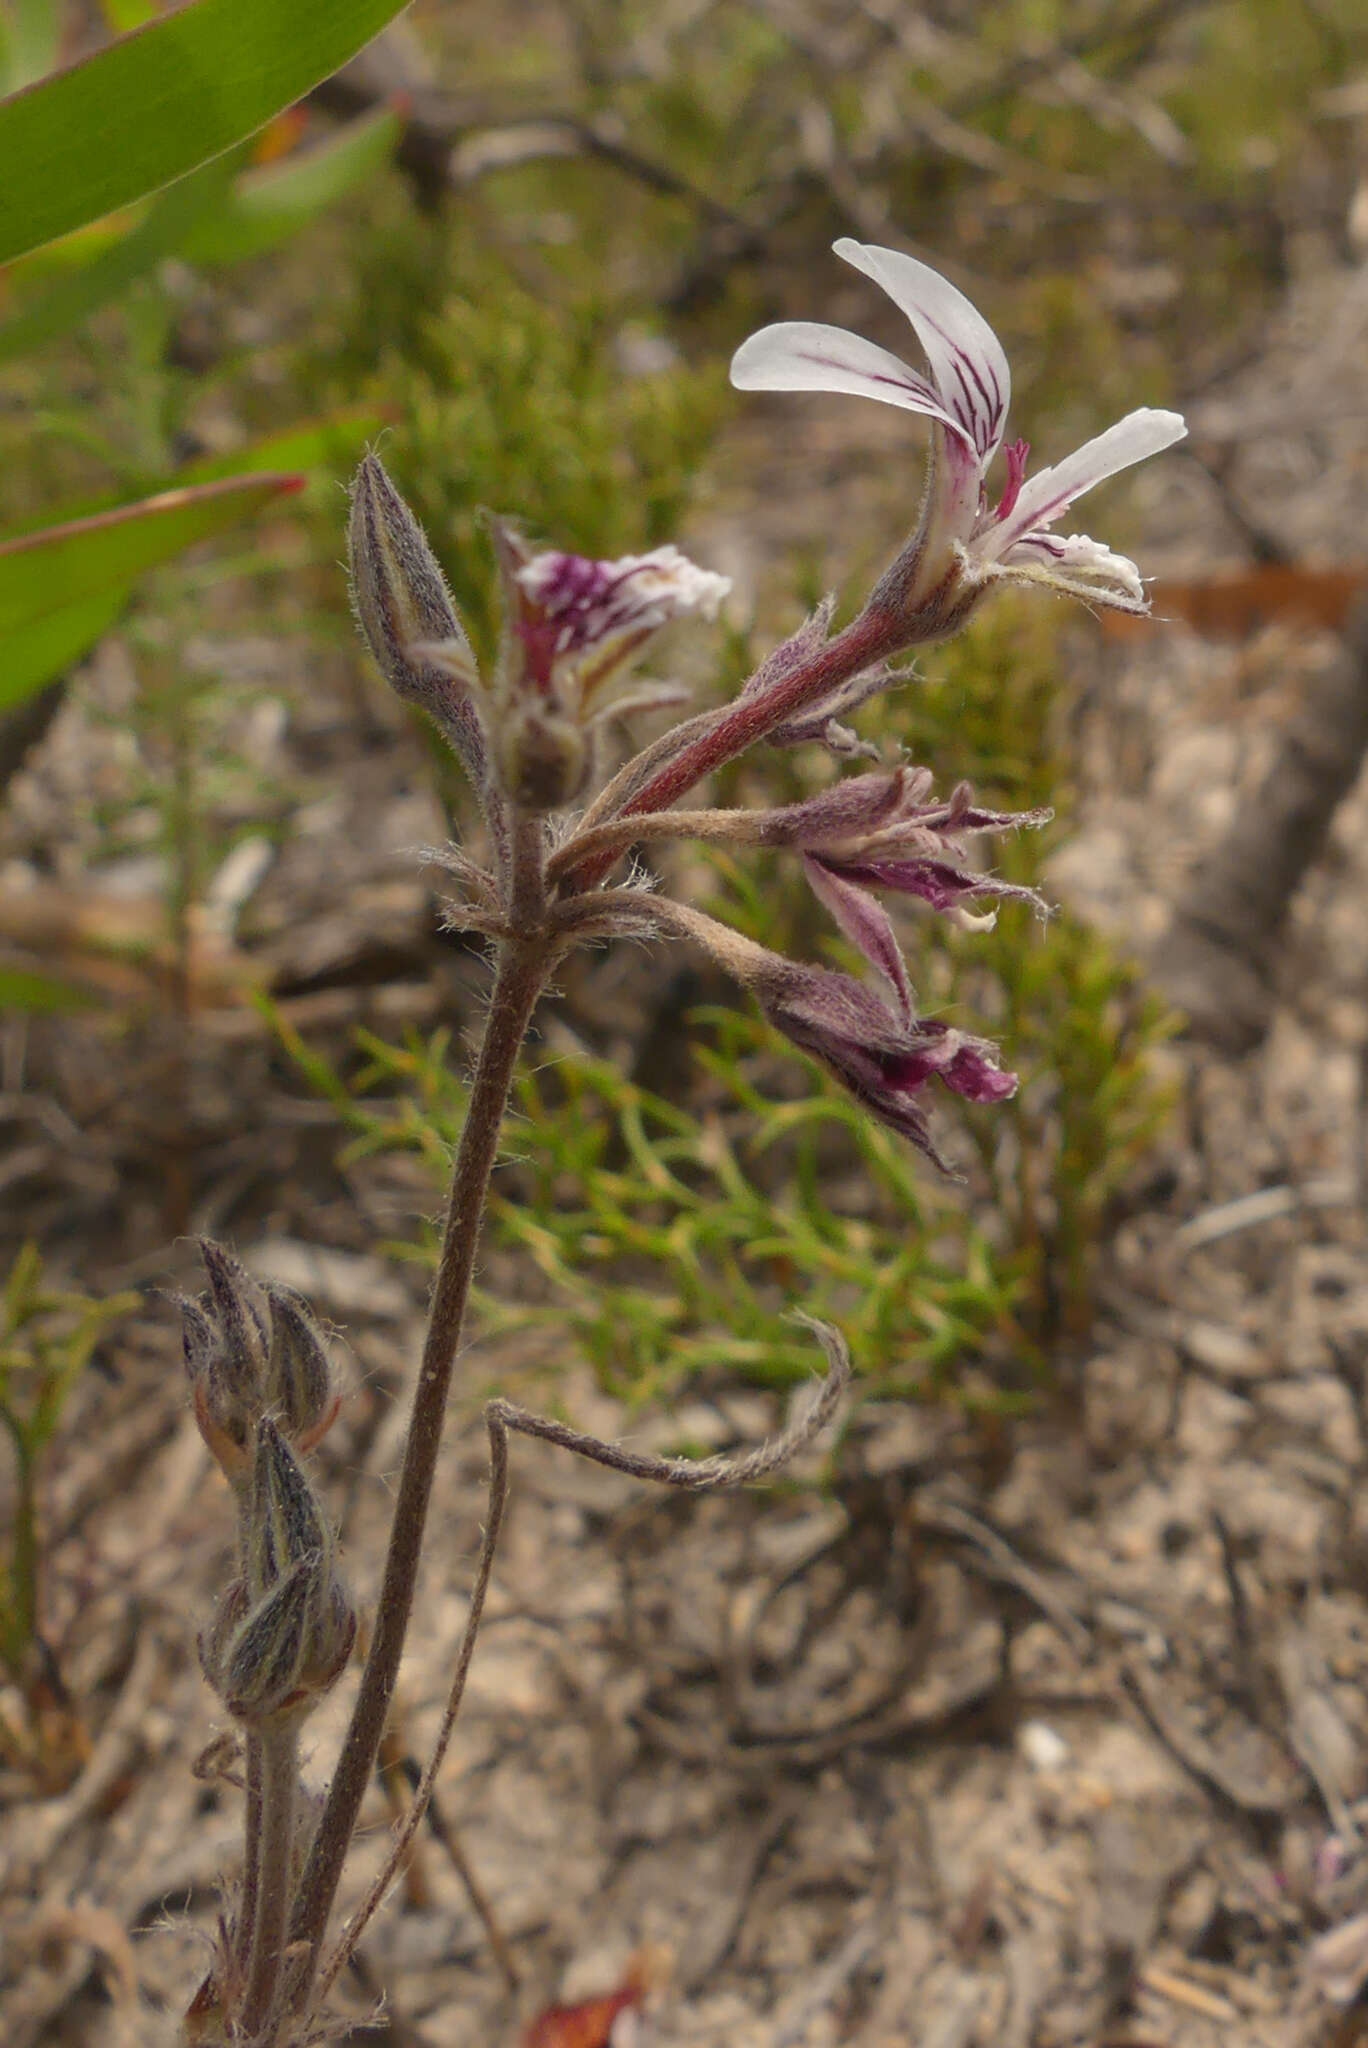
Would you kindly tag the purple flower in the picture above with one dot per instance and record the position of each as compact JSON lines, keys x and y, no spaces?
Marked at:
{"x":573,"y":606}
{"x":966,"y":393}
{"x":882,"y":1053}
{"x":876,"y":1046}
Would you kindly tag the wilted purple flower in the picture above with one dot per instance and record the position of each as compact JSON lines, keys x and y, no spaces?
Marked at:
{"x":963,"y":544}
{"x":876,"y":1046}
{"x":882,"y":1053}
{"x":885,"y":831}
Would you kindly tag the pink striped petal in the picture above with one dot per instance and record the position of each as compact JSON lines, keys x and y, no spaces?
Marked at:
{"x":968,"y":366}
{"x":1044,"y":496}
{"x":804,"y":355}
{"x":866,"y":924}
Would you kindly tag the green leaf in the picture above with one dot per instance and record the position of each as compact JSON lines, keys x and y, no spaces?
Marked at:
{"x":157,"y":103}
{"x":20,"y":989}
{"x":267,"y":206}
{"x":160,"y":232}
{"x":36,"y":653}
{"x":123,"y":15}
{"x":46,"y":572}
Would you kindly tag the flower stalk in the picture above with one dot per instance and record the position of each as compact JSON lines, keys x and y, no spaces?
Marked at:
{"x":521,"y":973}
{"x":532,"y":736}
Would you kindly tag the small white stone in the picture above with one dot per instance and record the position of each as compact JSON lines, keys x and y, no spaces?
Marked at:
{"x":1043,"y":1749}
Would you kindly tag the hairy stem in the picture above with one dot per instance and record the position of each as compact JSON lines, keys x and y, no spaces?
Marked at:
{"x":278,"y":1750}
{"x":523,"y":966}
{"x":251,"y":1859}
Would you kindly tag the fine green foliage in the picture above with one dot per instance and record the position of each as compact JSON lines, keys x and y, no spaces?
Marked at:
{"x":158,"y":102}
{"x":47,"y":1338}
{"x":509,"y":403}
{"x":672,"y":1241}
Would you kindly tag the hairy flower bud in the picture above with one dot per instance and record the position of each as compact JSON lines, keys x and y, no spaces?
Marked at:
{"x":252,"y":1351}
{"x":225,"y":1341}
{"x":401,"y":600}
{"x":285,"y":1627}
{"x":283,"y":1654}
{"x":263,"y":1659}
{"x":298,"y":1379}
{"x":284,"y":1521}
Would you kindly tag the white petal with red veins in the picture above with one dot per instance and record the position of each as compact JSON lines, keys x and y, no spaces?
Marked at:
{"x":968,"y":365}
{"x":1051,"y":491}
{"x":803,"y":355}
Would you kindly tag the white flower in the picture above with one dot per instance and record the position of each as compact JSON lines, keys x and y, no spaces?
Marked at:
{"x":588,"y":602}
{"x":966,"y":395}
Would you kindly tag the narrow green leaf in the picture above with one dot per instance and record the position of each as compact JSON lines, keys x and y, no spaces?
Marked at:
{"x":123,"y":15}
{"x":37,"y":652}
{"x":160,"y":232}
{"x":267,"y":206}
{"x":39,"y":993}
{"x":43,"y":573}
{"x":157,"y":103}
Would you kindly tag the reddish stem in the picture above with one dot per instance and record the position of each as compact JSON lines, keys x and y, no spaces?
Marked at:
{"x":872,"y":637}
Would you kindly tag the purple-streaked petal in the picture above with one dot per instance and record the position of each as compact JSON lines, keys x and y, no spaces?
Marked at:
{"x":1044,"y":496}
{"x":1079,"y":566}
{"x":968,"y":366}
{"x":587,"y":602}
{"x":936,"y":882}
{"x":866,"y":924}
{"x":966,"y":1064}
{"x":803,"y":355}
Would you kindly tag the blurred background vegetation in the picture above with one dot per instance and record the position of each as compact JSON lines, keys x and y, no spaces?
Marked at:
{"x":522,"y":241}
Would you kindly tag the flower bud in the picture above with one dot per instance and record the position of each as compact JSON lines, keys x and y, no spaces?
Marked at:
{"x":298,"y":1381}
{"x":284,"y":1522}
{"x":252,"y":1351}
{"x":285,"y":1627}
{"x":401,"y":600}
{"x":262,"y":1660}
{"x":225,"y":1343}
{"x":283,"y":1654}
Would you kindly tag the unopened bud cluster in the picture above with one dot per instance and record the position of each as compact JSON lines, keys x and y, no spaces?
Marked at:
{"x":263,"y":1395}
